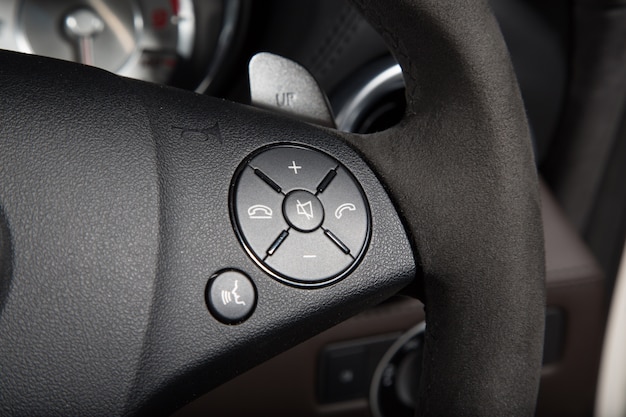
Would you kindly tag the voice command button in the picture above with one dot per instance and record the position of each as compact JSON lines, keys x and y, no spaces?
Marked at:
{"x":230,"y":296}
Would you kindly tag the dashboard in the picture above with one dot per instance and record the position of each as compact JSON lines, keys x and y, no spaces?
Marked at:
{"x":178,"y":42}
{"x":365,"y":365}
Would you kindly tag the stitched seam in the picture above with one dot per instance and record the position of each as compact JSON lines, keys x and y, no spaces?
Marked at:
{"x":340,"y":34}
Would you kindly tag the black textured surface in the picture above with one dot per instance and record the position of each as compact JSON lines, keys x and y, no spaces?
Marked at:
{"x":5,"y":260}
{"x":80,"y":194}
{"x":460,"y":168}
{"x":116,"y":195}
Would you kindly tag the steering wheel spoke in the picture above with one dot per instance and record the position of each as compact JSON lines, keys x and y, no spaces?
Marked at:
{"x":121,"y":224}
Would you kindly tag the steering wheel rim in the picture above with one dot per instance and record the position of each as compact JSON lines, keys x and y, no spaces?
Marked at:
{"x":459,"y":170}
{"x":457,"y":72}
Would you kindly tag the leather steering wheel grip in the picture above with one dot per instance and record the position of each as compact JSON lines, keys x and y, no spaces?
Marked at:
{"x":461,"y":170}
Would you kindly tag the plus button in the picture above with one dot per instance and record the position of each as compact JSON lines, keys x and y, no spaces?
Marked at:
{"x":294,"y":167}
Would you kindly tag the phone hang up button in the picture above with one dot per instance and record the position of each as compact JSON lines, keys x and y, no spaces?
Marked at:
{"x":258,"y":212}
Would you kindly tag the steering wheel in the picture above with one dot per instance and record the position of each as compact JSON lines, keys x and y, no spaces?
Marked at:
{"x":120,"y":220}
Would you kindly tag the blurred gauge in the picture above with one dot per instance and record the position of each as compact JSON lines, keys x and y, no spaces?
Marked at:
{"x":151,"y":40}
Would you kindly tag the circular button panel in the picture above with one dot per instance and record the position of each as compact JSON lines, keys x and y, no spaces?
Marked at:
{"x":300,"y":214}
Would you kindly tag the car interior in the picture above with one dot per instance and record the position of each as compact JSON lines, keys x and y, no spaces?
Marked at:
{"x":313,"y":208}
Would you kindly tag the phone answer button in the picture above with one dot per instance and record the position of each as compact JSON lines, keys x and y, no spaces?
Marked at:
{"x":348,"y":213}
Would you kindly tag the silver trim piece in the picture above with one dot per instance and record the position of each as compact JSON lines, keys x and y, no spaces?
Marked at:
{"x":224,"y":41}
{"x":611,"y":394}
{"x":186,"y":24}
{"x":380,"y":368}
{"x":368,"y":87}
{"x":282,"y":85}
